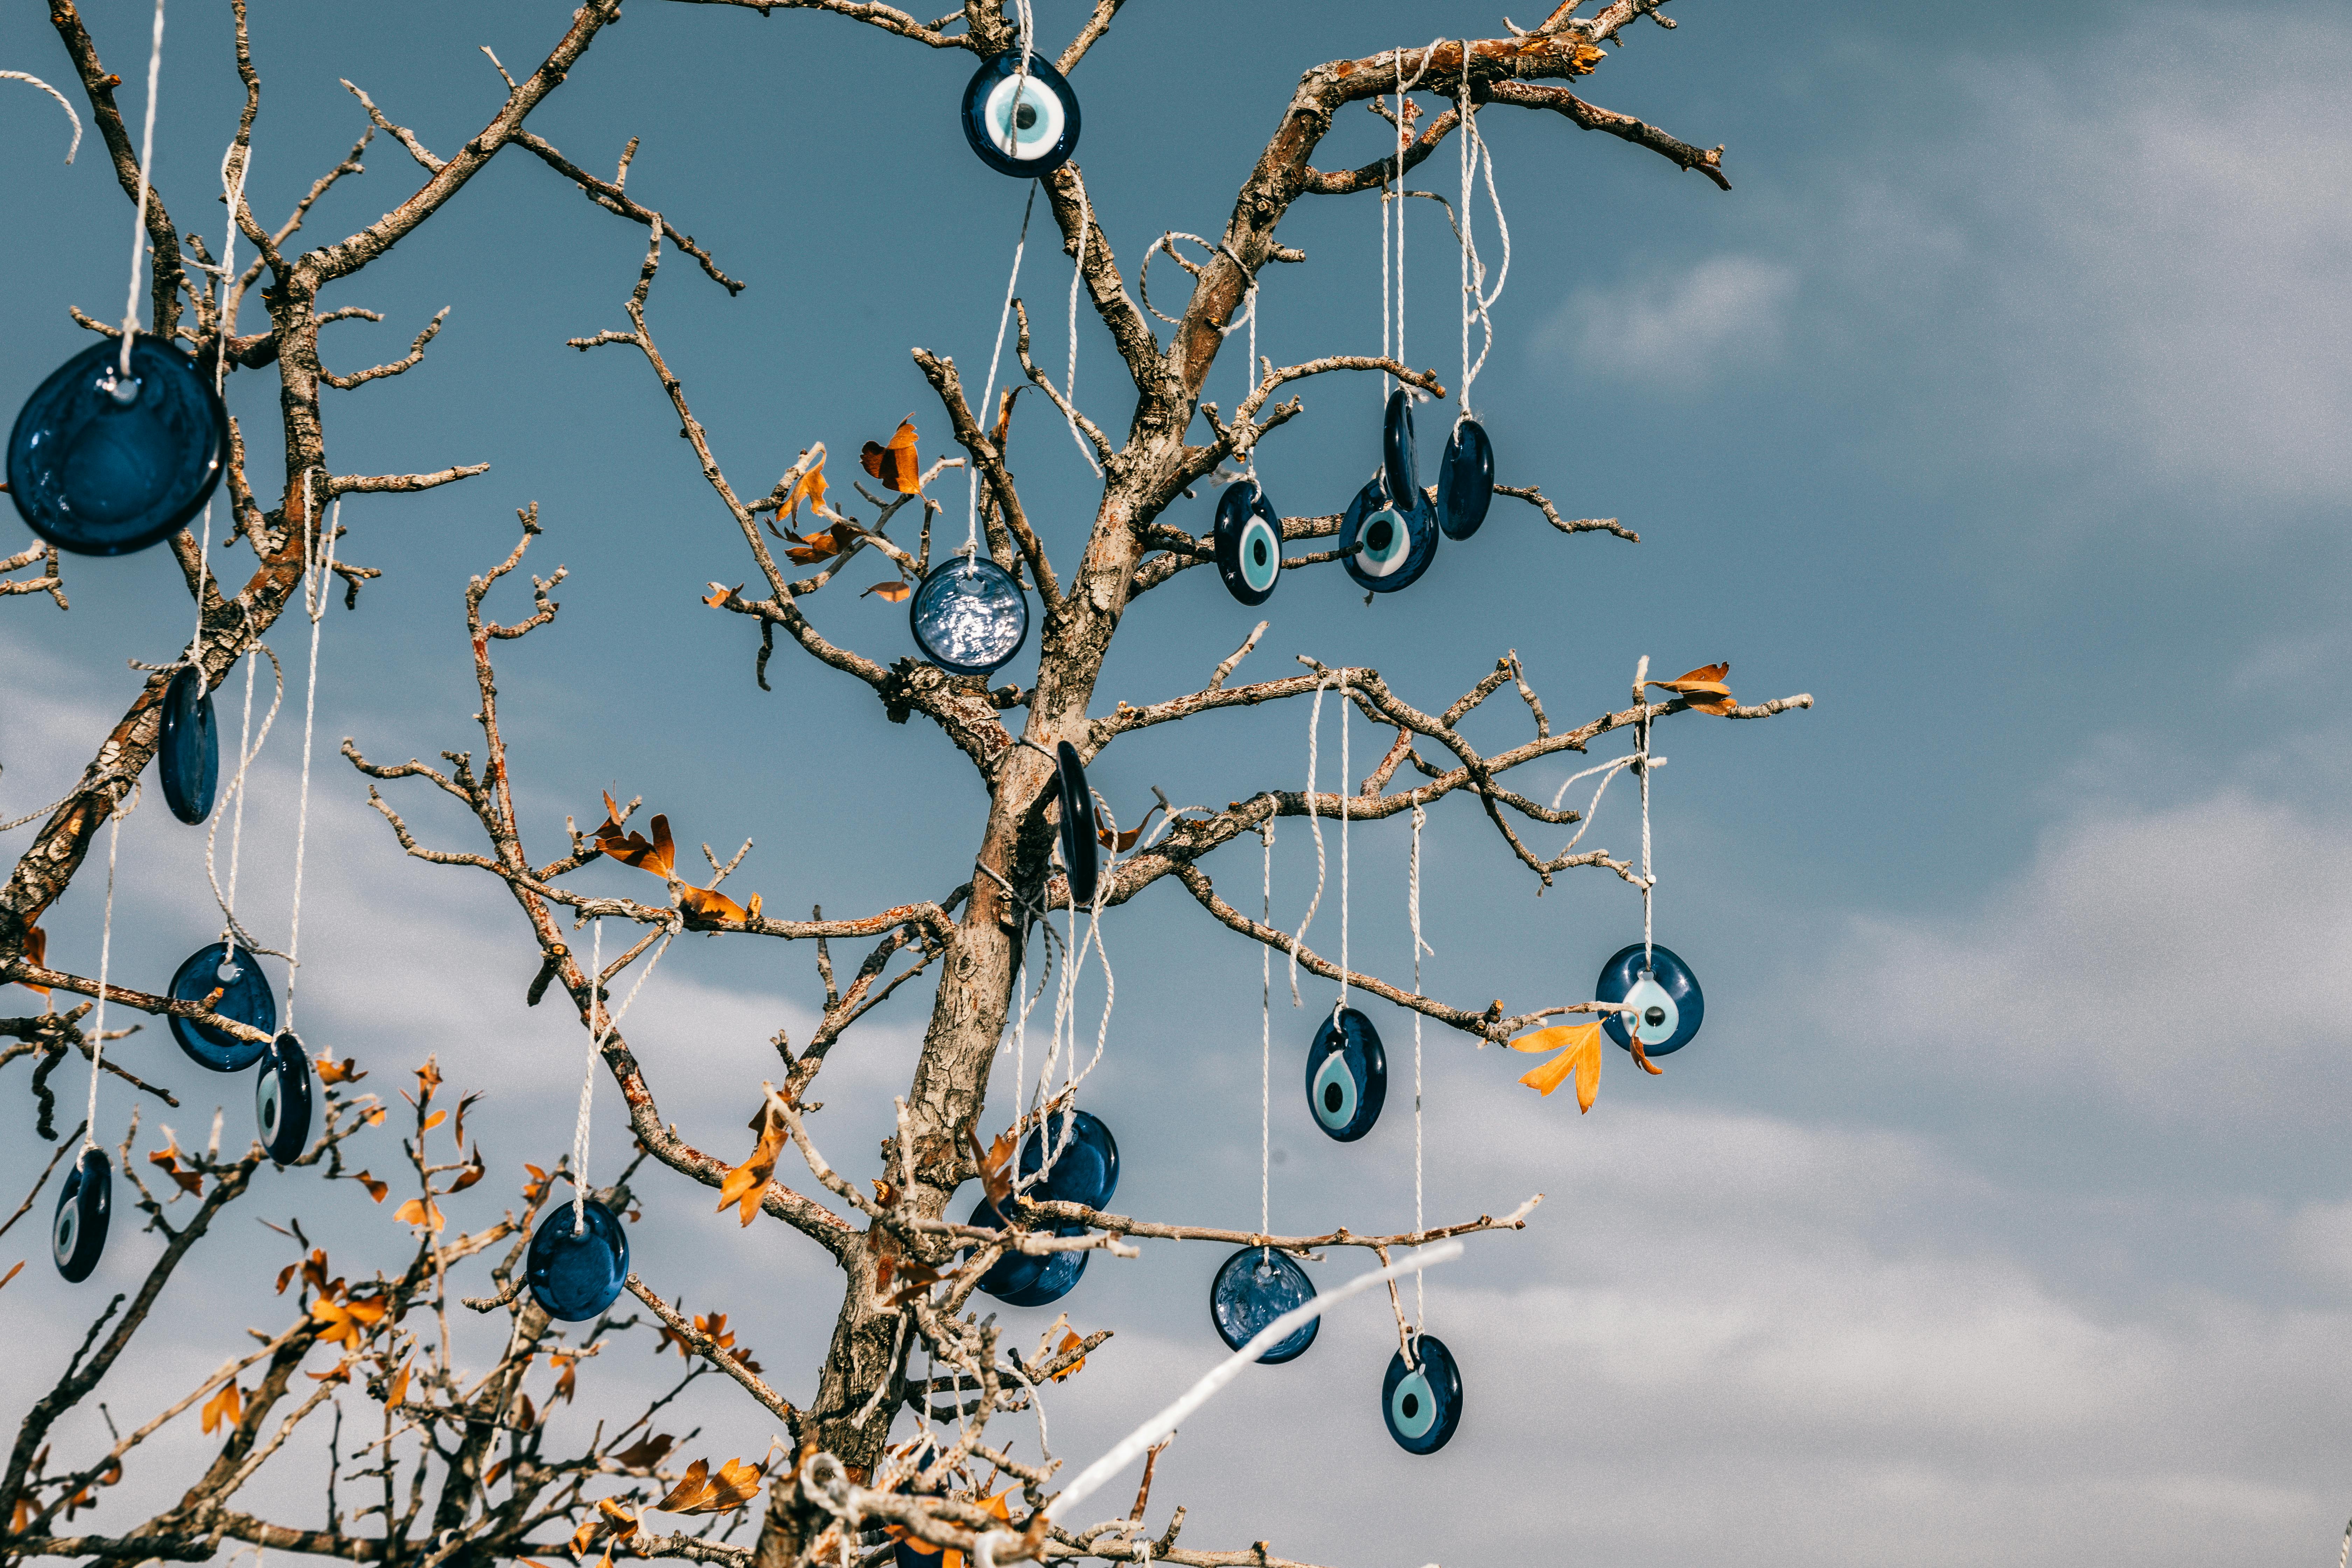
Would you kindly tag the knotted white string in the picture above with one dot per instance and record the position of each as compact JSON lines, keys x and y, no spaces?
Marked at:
{"x":1315,"y":826}
{"x":138,"y":210}
{"x":317,"y":569}
{"x":600,"y":1028}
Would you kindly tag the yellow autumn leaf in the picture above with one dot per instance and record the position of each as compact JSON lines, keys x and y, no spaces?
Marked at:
{"x":416,"y":1211}
{"x":225,"y":1406}
{"x":1579,"y":1053}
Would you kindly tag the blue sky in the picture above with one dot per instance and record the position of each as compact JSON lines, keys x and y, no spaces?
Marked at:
{"x":1999,"y":1213}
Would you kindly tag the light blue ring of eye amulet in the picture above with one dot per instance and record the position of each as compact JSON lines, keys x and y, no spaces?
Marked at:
{"x":1033,"y":136}
{"x":969,"y":615}
{"x":1422,"y":1403}
{"x":1673,"y":1006}
{"x":1248,"y":542}
{"x":1398,"y":542}
{"x":1346,"y":1075}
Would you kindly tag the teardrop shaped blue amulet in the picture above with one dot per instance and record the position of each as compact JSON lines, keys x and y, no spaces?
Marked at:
{"x":243,"y":995}
{"x":1256,"y":1286}
{"x":1402,"y":466}
{"x":1466,"y":481}
{"x":281,"y":1099}
{"x":1398,"y":543}
{"x":1346,"y":1075}
{"x":1017,"y":127}
{"x":78,"y":1234}
{"x":187,"y":751}
{"x":1081,"y":850}
{"x":1086,"y":1161}
{"x":1249,"y":542}
{"x":575,"y":1277}
{"x":1668,"y":995}
{"x":103,"y":464}
{"x":969,"y":616}
{"x":1422,"y":1403}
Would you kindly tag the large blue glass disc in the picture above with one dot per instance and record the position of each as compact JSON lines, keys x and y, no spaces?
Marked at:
{"x":1398,"y":542}
{"x":1024,"y":128}
{"x":1056,"y":1281}
{"x":574,"y":1277}
{"x":1346,"y":1075}
{"x":1081,"y":851}
{"x":1672,"y":1005}
{"x":243,"y":995}
{"x":969,"y":616}
{"x":1256,"y":1286}
{"x":103,"y":466}
{"x":187,"y":751}
{"x":281,"y":1099}
{"x":1015,"y":1271}
{"x":1249,"y":542}
{"x":78,"y":1234}
{"x":1086,"y":1161}
{"x":1403,"y":469}
{"x":1026,"y":1279}
{"x":1423,"y":1405}
{"x":1466,"y":481}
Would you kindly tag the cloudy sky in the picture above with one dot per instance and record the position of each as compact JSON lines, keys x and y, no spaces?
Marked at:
{"x":2000,"y":1212}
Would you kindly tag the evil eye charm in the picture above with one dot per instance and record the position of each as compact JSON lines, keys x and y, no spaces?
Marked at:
{"x":574,"y":1276}
{"x":1249,"y":542}
{"x":1398,"y":542}
{"x":1029,"y":1279}
{"x":1346,"y":1075}
{"x":1023,"y":127}
{"x":1422,"y":1403}
{"x":1086,"y":1161}
{"x":281,"y":1099}
{"x":1670,"y":1003}
{"x":104,"y":464}
{"x":1080,"y":847}
{"x":230,"y":983}
{"x":1256,"y":1286}
{"x":187,"y":754}
{"x":1466,"y":481}
{"x":1402,"y":468}
{"x":969,"y":616}
{"x":77,"y":1235}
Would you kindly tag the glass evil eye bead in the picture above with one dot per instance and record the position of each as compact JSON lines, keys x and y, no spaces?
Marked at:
{"x":281,"y":1099}
{"x":1346,"y":1075}
{"x":1396,"y":446}
{"x":77,"y":1235}
{"x":1256,"y":1286}
{"x":230,"y":984}
{"x":1021,"y":127}
{"x":1249,"y":542}
{"x":1080,"y":847}
{"x":1086,"y":1161}
{"x":574,"y":1277}
{"x":104,"y":464}
{"x":187,"y":754}
{"x":1466,"y":481}
{"x":1397,"y":545}
{"x":1422,"y":1403}
{"x":969,"y":616}
{"x":1029,"y":1279}
{"x":1668,"y":995}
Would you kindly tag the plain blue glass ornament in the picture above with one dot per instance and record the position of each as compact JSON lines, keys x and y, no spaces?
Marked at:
{"x":911,"y":1552}
{"x":1466,"y":481}
{"x":1056,"y":1279}
{"x":1086,"y":1161}
{"x":103,"y":465}
{"x":969,"y":615}
{"x":78,"y":1234}
{"x":187,"y":751}
{"x":1249,"y":542}
{"x":575,"y":1277}
{"x":1020,"y":128}
{"x":1422,"y":1403}
{"x":1256,"y":1286}
{"x":1346,"y":1075}
{"x":1398,"y":543}
{"x":244,"y":996}
{"x":1671,"y":1002}
{"x":1081,"y":850}
{"x":1029,"y":1279}
{"x":281,"y":1099}
{"x":1399,"y":461}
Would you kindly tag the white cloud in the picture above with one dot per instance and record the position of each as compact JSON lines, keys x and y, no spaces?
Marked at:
{"x":1678,"y":331}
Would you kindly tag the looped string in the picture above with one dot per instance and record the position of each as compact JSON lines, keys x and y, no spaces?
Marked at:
{"x":1392,"y":299}
{"x":75,"y":146}
{"x":1475,"y":301}
{"x":602,"y":1025}
{"x":138,"y":209}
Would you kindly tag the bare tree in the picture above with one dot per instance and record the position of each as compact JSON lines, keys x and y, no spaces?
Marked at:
{"x":456,"y":1466}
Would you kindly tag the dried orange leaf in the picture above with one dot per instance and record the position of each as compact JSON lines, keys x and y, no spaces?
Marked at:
{"x":1702,"y":687}
{"x":1582,"y":1058}
{"x":719,"y":595}
{"x":416,"y":1211}
{"x":330,"y":1072}
{"x":689,"y":1491}
{"x":225,"y":1406}
{"x":37,"y":950}
{"x":896,"y":465}
{"x":644,"y":1453}
{"x":397,"y":1389}
{"x":434,"y":1120}
{"x":746,"y":1184}
{"x":893,"y":590}
{"x":474,"y":1172}
{"x":1070,"y":1342}
{"x":375,"y":1189}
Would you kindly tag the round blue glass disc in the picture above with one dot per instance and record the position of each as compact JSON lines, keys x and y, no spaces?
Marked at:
{"x":1249,"y":542}
{"x":187,"y":751}
{"x":1398,"y":542}
{"x":969,"y":616}
{"x":1027,"y":1279}
{"x":281,"y":1099}
{"x":1080,"y":849}
{"x":574,"y":1277}
{"x":1256,"y":1286}
{"x":1466,"y":481}
{"x":1422,"y":1403}
{"x":1086,"y":1161}
{"x":1672,"y":1005}
{"x":78,"y":1234}
{"x":102,"y":465}
{"x":1346,"y":1075}
{"x":1023,"y":128}
{"x":1056,"y":1279}
{"x":244,"y":996}
{"x":1403,"y":469}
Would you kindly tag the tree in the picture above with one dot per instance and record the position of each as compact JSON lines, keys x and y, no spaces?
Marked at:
{"x":482,"y":1485}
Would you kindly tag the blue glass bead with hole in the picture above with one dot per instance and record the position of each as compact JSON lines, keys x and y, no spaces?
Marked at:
{"x":101,"y":463}
{"x":1081,"y":850}
{"x":970,"y":618}
{"x":244,"y":996}
{"x":281,"y":1099}
{"x":1029,"y":1279}
{"x":1086,"y":1161}
{"x":1254,"y":1287}
{"x":1672,"y":1005}
{"x":78,"y":1234}
{"x":1249,"y":542}
{"x":1466,"y":481}
{"x":1398,"y":543}
{"x":1398,"y":458}
{"x":187,"y":751}
{"x":574,"y":1278}
{"x":1346,"y":1075}
{"x":1422,"y":1403}
{"x":1020,"y":128}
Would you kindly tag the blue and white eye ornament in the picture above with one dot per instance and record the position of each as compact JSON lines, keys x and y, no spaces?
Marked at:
{"x":1346,"y":1070}
{"x":1019,"y":112}
{"x":1465,"y":475}
{"x":1664,"y":1006}
{"x":84,"y":1202}
{"x":1248,"y":533}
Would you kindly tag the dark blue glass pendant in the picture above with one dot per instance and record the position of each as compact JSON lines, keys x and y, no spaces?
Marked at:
{"x":1671,"y":1002}
{"x":1466,"y":481}
{"x":1256,"y":1286}
{"x":281,"y":1099}
{"x":102,"y":465}
{"x":1080,"y":847}
{"x":574,"y":1277}
{"x":1423,"y":1405}
{"x":1249,"y":542}
{"x":1029,"y":1279}
{"x":1346,"y":1075}
{"x":1086,"y":1161}
{"x":1403,"y":469}
{"x":78,"y":1235}
{"x":969,"y":616}
{"x":1020,"y":128}
{"x":187,"y":753}
{"x":231,"y":984}
{"x":1399,"y":544}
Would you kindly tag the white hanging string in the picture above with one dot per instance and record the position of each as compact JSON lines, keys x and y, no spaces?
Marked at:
{"x":1070,"y":373}
{"x":1265,"y":1042}
{"x":1413,"y":903}
{"x":248,"y":746}
{"x":1346,"y":783}
{"x":73,"y":147}
{"x":1477,"y":303}
{"x":600,"y":1027}
{"x":234,"y":193}
{"x":987,"y":395}
{"x":138,"y":210}
{"x":1315,"y":824}
{"x":105,"y":951}
{"x":317,"y":574}
{"x":1649,"y":878}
